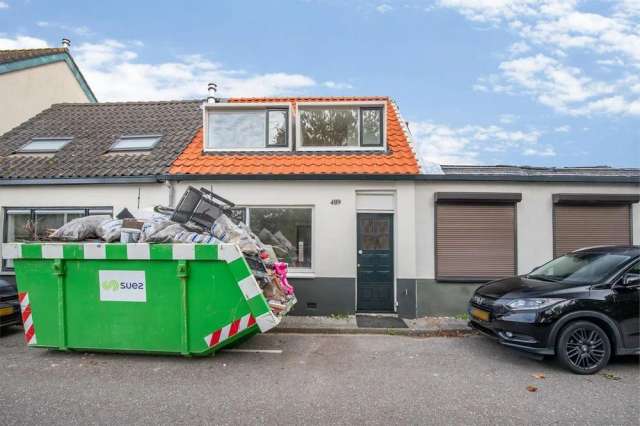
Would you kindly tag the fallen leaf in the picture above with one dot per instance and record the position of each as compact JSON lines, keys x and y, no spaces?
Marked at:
{"x":611,"y":376}
{"x":538,"y":375}
{"x":532,"y":389}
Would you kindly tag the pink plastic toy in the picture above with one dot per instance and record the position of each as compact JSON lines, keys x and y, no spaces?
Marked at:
{"x":281,"y":270}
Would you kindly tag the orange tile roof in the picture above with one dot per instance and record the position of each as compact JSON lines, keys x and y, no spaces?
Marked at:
{"x":399,"y":159}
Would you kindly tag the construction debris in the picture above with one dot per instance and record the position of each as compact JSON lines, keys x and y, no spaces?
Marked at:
{"x":200,"y":217}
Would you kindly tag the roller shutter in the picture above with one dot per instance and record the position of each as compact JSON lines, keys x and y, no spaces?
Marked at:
{"x":577,"y":226}
{"x":475,"y":240}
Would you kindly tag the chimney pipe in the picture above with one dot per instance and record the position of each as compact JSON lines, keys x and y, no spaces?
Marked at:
{"x":66,"y":43}
{"x":212,"y":88}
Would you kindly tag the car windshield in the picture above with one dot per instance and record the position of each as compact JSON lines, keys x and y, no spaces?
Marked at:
{"x":580,"y":267}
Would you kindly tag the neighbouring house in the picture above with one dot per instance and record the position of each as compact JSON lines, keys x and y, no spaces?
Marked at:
{"x":333,"y":183}
{"x":34,"y":79}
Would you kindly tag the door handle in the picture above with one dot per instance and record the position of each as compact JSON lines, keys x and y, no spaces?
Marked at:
{"x":359,"y":251}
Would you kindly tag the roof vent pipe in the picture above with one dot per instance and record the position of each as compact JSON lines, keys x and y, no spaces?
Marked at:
{"x":66,"y":43}
{"x":212,"y":88}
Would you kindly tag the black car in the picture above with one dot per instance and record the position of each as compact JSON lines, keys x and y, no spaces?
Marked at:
{"x":582,"y":307}
{"x":9,"y":306}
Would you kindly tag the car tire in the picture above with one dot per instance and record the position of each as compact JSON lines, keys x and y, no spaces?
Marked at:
{"x":583,"y":347}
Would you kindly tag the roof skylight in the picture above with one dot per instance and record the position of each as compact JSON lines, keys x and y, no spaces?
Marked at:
{"x":44,"y":145}
{"x":135,"y":143}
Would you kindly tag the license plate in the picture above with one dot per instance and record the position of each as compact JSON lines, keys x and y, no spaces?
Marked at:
{"x":6,"y":311}
{"x":480,"y":314}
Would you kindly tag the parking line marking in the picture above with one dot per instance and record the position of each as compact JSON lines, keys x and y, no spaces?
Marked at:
{"x":254,"y":351}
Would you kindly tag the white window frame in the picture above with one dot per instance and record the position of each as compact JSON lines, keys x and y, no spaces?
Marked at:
{"x":360,"y":104}
{"x":64,"y":139}
{"x":293,"y":272}
{"x":114,"y":148}
{"x":238,"y":106}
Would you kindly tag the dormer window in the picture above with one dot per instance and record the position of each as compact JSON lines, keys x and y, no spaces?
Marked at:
{"x":44,"y":145}
{"x":340,"y":127}
{"x":135,"y":143}
{"x":233,"y":127}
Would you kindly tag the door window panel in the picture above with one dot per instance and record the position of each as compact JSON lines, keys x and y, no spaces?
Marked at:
{"x":375,"y":234}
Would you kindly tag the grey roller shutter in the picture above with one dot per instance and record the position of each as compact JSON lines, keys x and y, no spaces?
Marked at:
{"x":578,"y":226}
{"x":475,"y":241}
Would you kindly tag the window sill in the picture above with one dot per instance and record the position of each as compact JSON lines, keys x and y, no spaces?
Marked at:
{"x":301,"y":274}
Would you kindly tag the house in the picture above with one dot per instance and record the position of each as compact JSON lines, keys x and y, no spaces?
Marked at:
{"x":334,"y":183}
{"x":34,"y":79}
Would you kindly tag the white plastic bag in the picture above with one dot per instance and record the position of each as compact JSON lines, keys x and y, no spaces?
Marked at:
{"x":166,"y":234}
{"x":109,"y":230}
{"x":194,"y":237}
{"x":79,"y":229}
{"x":150,"y":228}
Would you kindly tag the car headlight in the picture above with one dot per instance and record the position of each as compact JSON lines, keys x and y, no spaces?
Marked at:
{"x":532,"y":304}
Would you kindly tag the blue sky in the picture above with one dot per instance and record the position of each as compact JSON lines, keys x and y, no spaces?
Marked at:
{"x":544,"y":82}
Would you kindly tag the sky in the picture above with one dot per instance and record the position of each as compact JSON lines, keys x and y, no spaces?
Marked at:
{"x":524,"y":82}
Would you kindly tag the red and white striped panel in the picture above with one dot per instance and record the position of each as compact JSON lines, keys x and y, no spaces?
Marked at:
{"x":27,"y":319}
{"x":229,"y":330}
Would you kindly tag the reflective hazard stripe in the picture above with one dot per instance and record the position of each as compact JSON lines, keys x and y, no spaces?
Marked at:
{"x":27,"y":319}
{"x":229,"y":330}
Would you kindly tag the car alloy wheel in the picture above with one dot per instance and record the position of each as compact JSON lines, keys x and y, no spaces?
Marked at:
{"x":584,"y":347}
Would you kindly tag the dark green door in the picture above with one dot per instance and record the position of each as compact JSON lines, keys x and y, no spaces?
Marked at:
{"x":375,"y":262}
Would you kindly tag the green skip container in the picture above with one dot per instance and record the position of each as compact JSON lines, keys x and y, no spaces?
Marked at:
{"x":188,"y":299}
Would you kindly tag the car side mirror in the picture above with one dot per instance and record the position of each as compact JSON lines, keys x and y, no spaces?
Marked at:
{"x":631,"y":280}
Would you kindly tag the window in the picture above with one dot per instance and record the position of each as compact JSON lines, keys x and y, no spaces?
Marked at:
{"x":286,"y":229}
{"x":44,"y":145}
{"x":31,"y":224}
{"x":247,"y":129}
{"x":590,"y":267}
{"x":323,"y":127}
{"x":135,"y":143}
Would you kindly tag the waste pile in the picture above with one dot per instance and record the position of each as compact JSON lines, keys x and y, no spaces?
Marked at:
{"x":201,"y":216}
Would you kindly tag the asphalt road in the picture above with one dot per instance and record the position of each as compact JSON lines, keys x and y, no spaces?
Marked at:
{"x":317,"y":379}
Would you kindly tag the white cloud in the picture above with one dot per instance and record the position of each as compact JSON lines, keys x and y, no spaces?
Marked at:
{"x":115,"y":73}
{"x":519,"y":47}
{"x":22,"y":42}
{"x":545,"y":151}
{"x":562,"y":129}
{"x":4,"y":5}
{"x":338,"y":86}
{"x":508,"y":118}
{"x":384,"y":8}
{"x":444,"y":144}
{"x":551,"y":33}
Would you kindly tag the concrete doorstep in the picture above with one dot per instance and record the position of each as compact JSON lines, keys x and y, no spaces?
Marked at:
{"x":346,"y":324}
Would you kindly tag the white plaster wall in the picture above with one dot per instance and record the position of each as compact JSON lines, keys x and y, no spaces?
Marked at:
{"x":116,"y":196}
{"x":334,"y":226}
{"x":534,"y":217}
{"x":27,"y":92}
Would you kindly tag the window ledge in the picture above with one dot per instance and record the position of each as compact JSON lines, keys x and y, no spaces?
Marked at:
{"x":301,"y":274}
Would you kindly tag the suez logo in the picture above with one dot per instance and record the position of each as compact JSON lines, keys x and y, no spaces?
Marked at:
{"x":122,"y":286}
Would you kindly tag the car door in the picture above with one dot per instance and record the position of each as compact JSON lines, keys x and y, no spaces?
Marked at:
{"x":626,"y":310}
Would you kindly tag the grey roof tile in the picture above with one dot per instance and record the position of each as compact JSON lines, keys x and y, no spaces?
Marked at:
{"x":94,"y":127}
{"x":13,"y":55}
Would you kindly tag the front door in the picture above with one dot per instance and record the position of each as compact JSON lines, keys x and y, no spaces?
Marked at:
{"x":375,"y":262}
